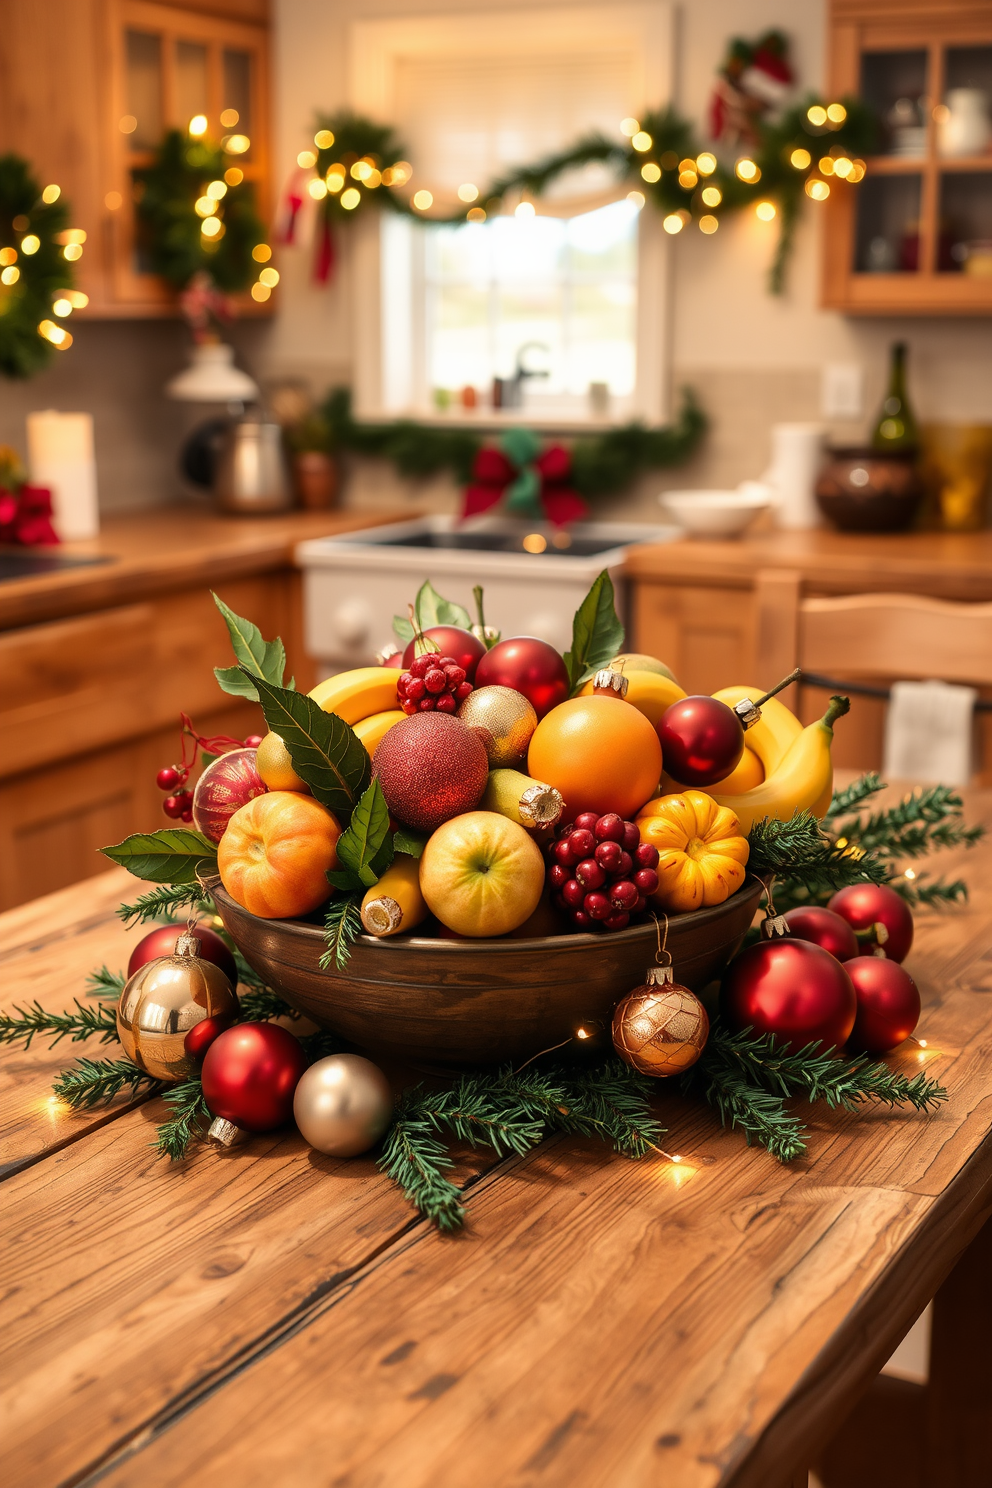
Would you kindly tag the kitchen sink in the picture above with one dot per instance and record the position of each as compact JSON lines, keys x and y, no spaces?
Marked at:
{"x":16,"y":564}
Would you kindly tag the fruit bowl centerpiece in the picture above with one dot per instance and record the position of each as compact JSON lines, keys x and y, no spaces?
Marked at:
{"x":450,"y":1003}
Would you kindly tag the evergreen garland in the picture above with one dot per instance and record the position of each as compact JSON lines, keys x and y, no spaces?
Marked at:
{"x":23,"y":1024}
{"x":105,"y":983}
{"x":188,"y":1118}
{"x":42,"y":276}
{"x":164,"y":903}
{"x":96,"y":1082}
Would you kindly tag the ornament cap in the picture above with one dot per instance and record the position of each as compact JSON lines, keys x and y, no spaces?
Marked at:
{"x":775,"y":927}
{"x":748,"y":713}
{"x":540,"y":806}
{"x":225,"y":1133}
{"x":382,"y":916}
{"x":188,"y":945}
{"x":659,"y":976}
{"x":610,"y":683}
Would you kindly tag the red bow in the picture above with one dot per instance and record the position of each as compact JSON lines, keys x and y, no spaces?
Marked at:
{"x":26,"y":519}
{"x":493,"y":473}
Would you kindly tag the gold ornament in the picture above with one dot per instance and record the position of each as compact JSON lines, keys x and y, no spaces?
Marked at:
{"x":164,"y":1001}
{"x":504,"y":720}
{"x":343,"y":1105}
{"x":661,"y":1027}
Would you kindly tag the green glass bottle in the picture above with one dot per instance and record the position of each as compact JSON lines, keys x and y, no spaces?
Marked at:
{"x":896,"y":427}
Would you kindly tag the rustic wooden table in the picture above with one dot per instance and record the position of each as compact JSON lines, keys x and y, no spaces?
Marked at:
{"x":273,"y":1316}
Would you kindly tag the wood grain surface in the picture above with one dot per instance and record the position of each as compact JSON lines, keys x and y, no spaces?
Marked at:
{"x":271,"y":1316}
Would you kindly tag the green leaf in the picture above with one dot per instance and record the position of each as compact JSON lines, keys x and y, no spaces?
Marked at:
{"x":406,"y":840}
{"x":431,"y":609}
{"x":326,"y":753}
{"x":597,"y":634}
{"x":403,"y":629}
{"x":261,"y":658}
{"x":170,"y":855}
{"x":365,"y":848}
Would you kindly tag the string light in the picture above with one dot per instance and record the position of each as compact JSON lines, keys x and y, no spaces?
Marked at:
{"x":198,"y":125}
{"x":71,"y":235}
{"x":766,"y":211}
{"x":826,"y":165}
{"x":217,"y":190}
{"x":351,"y":198}
{"x":712,"y":196}
{"x":229,"y":117}
{"x":709,"y":224}
{"x":10,"y":275}
{"x":51,"y":194}
{"x":72,"y":252}
{"x":399,"y":173}
{"x":630,"y":127}
{"x":817,"y":190}
{"x":56,"y":334}
{"x":836,"y":113}
{"x":373,"y":179}
{"x":467,"y":192}
{"x":522,"y":209}
{"x":747,"y":170}
{"x":127,"y":124}
{"x":336,"y":177}
{"x":688,"y":180}
{"x":323,"y":139}
{"x":269,"y":277}
{"x":237,"y":144}
{"x":706,"y":163}
{"x":843,"y":167}
{"x":817,"y":115}
{"x":77,"y":299}
{"x":422,"y":200}
{"x":651,"y":172}
{"x":636,"y":199}
{"x":8,"y":256}
{"x":260,"y":292}
{"x":204,"y":206}
{"x":910,"y":874}
{"x":362,"y":169}
{"x":317,"y":190}
{"x":800,"y":159}
{"x":113,"y":201}
{"x":61,"y":306}
{"x":234,"y":176}
{"x":261,"y":253}
{"x":30,"y":244}
{"x":306,"y":160}
{"x":642,"y":141}
{"x":535,"y":542}
{"x":212,"y":227}
{"x":673,"y":223}
{"x":857,"y":172}
{"x":476,"y":214}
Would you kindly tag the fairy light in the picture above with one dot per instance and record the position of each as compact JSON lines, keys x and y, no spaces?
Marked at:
{"x":800,"y":159}
{"x":197,"y":126}
{"x":324,"y":139}
{"x":373,"y":179}
{"x":522,"y":209}
{"x":536,"y":542}
{"x":361,"y":170}
{"x":229,"y":117}
{"x":636,"y":199}
{"x":237,"y":144}
{"x":234,"y":175}
{"x":217,"y":190}
{"x":709,"y":223}
{"x":7,"y":256}
{"x":467,"y":192}
{"x":826,"y":165}
{"x":747,"y":170}
{"x":422,"y":200}
{"x":817,"y":115}
{"x":269,"y":277}
{"x":673,"y":223}
{"x":56,"y":334}
{"x":476,"y":214}
{"x":836,"y":113}
{"x":261,"y":253}
{"x":351,"y":198}
{"x":61,"y":306}
{"x":400,"y":173}
{"x":10,"y":275}
{"x":127,"y":124}
{"x":843,"y":167}
{"x":651,"y":172}
{"x":72,"y":252}
{"x":260,"y":292}
{"x":688,"y":179}
{"x":205,"y":206}
{"x":317,"y":190}
{"x":641,"y":141}
{"x":922,"y":1043}
{"x":306,"y":159}
{"x":857,"y":172}
{"x":712,"y":196}
{"x":335,"y":177}
{"x":212,"y":227}
{"x":910,"y":874}
{"x":113,"y":201}
{"x":630,"y":127}
{"x":766,"y":211}
{"x":51,"y":194}
{"x":706,"y":163}
{"x":580,"y":1033}
{"x":77,"y":299}
{"x":30,"y":244}
{"x":817,"y":190}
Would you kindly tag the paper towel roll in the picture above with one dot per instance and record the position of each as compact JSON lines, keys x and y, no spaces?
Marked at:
{"x":797,"y":454}
{"x":60,"y":456}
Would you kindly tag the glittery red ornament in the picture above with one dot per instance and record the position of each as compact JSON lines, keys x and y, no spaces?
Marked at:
{"x":888,"y":1004}
{"x":531,"y":667}
{"x":824,"y":928}
{"x":790,"y":988}
{"x":431,"y":768}
{"x":224,"y":787}
{"x":162,"y":942}
{"x":250,"y":1074}
{"x":465,"y":649}
{"x":702,"y":740}
{"x":864,"y":906}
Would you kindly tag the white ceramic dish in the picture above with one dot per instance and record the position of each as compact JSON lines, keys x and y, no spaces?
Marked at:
{"x":716,"y":513}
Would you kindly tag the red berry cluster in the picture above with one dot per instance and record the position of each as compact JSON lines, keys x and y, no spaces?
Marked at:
{"x":179,"y":804}
{"x":601,"y":871}
{"x":433,"y":683}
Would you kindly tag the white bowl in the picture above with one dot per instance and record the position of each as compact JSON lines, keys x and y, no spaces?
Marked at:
{"x":716,"y":513}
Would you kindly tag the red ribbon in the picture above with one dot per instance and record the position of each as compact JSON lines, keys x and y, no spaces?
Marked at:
{"x":26,"y":518}
{"x":492,"y":473}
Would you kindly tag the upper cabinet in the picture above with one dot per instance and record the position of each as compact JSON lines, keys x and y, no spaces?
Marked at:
{"x":915,"y":237}
{"x":87,"y":89}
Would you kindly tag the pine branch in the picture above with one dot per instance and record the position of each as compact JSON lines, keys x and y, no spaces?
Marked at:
{"x":761,"y":1117}
{"x":481,"y":1113}
{"x":798,"y":851}
{"x":611,"y":1101}
{"x":259,"y":1004}
{"x":86,"y":1022}
{"x":95,"y":1082}
{"x":321,"y":1044}
{"x":164,"y":903}
{"x":925,"y":819}
{"x":417,"y":1161}
{"x":342,"y":926}
{"x":186,"y":1122}
{"x":105,"y":983}
{"x":851,"y":798}
{"x":936,"y":895}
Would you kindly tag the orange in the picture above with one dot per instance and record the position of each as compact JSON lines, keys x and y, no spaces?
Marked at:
{"x":601,"y":753}
{"x":274,"y":861}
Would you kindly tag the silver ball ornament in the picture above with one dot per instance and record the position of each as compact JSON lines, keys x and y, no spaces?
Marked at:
{"x":343,"y":1104}
{"x":164,"y":1002}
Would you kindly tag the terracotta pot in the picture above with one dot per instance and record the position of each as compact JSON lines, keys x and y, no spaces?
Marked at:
{"x":316,"y":477}
{"x":450,"y":1003}
{"x":869,"y":490}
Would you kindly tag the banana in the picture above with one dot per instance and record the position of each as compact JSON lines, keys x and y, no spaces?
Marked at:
{"x":529,"y":802}
{"x":802,"y":781}
{"x":774,"y":734}
{"x":359,"y":693}
{"x":649,"y":692}
{"x":395,"y":903}
{"x":371,"y":730}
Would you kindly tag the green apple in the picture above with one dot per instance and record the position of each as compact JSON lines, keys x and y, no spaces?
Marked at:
{"x":636,"y":661}
{"x":481,"y":874}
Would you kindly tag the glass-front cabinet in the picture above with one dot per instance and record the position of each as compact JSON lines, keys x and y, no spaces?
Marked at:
{"x":916,"y":235}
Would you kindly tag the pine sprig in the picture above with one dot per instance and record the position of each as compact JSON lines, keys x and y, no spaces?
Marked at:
{"x":925,"y":819}
{"x":936,"y":895}
{"x":23,"y":1024}
{"x":854,"y":795}
{"x":93,"y":1082}
{"x":105,"y":983}
{"x":259,"y":1004}
{"x":187,"y":1119}
{"x":342,"y":926}
{"x":611,"y":1101}
{"x":798,"y":851}
{"x":760,"y":1116}
{"x":165,"y":903}
{"x":415,"y":1159}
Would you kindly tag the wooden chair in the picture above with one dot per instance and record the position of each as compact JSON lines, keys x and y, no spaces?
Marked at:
{"x":874,"y":638}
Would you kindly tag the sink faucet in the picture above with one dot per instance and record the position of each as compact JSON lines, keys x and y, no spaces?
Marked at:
{"x":509,"y":391}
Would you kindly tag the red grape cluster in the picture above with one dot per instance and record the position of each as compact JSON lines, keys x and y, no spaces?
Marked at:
{"x":601,"y":871}
{"x":433,"y":683}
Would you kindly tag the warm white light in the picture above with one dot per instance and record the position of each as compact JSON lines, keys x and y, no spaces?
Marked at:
{"x":747,"y":170}
{"x":261,"y":253}
{"x":800,"y":159}
{"x":72,"y":251}
{"x":422,"y":200}
{"x":56,"y":334}
{"x":30,"y":244}
{"x":60,"y":306}
{"x":642,"y":141}
{"x":836,"y":113}
{"x":818,"y":190}
{"x":400,"y":173}
{"x":522,"y":209}
{"x":636,"y":199}
{"x":323,"y":139}
{"x":204,"y":206}
{"x":260,"y":292}
{"x":827,"y":165}
{"x":709,"y":224}
{"x":475,"y":214}
{"x":673,"y":223}
{"x":712,"y":196}
{"x":534,"y":542}
{"x":51,"y":194}
{"x":234,"y":176}
{"x":229,"y":117}
{"x":843,"y":167}
{"x":581,"y":1033}
{"x":8,"y":256}
{"x":269,"y":277}
{"x":361,"y":170}
{"x":351,"y":198}
{"x":212,"y":227}
{"x":317,"y":190}
{"x":10,"y":275}
{"x":198,"y":125}
{"x":467,"y":192}
{"x":76,"y":298}
{"x":629,"y":127}
{"x":922,"y":1043}
{"x":650,"y":172}
{"x":306,"y":159}
{"x":706,"y":163}
{"x":335,"y":178}
{"x":817,"y":116}
{"x":217,"y":190}
{"x":910,"y":873}
{"x":766,"y":210}
{"x":237,"y":144}
{"x":688,"y":180}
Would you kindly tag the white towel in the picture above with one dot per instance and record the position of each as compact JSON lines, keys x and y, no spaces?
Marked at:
{"x":929,"y":733}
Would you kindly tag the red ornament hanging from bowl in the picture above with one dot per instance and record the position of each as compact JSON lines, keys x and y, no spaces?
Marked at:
{"x":790,"y":988}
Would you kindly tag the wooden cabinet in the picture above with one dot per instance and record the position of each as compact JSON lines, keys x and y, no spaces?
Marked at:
{"x":87,"y":88}
{"x":915,"y":237}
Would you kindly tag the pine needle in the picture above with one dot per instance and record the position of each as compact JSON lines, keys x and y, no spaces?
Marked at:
{"x":342,"y":926}
{"x":105,"y":983}
{"x":187,"y":1120}
{"x":798,"y":851}
{"x":94,"y":1082}
{"x":259,"y":1004}
{"x":855,"y":794}
{"x":418,"y":1162}
{"x":23,"y":1024}
{"x":165,"y":903}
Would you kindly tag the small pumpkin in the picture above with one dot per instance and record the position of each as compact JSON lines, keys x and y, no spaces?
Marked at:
{"x":701,"y":852}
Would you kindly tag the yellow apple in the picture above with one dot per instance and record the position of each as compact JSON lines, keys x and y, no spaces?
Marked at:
{"x":481,"y":874}
{"x":275,"y":766}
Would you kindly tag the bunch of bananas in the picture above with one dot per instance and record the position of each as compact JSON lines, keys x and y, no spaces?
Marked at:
{"x":365,"y":697}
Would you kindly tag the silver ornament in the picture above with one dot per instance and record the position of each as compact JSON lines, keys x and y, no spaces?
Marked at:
{"x":343,"y":1105}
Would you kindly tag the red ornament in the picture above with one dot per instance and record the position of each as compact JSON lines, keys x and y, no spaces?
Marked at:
{"x":790,"y":988}
{"x":531,"y":667}
{"x":250,"y":1074}
{"x":226,"y":785}
{"x":459,"y":646}
{"x":865,"y":906}
{"x":823,"y":927}
{"x":702,"y":740}
{"x":888,"y":1004}
{"x":198,"y":1040}
{"x":162,"y":942}
{"x":390,"y":656}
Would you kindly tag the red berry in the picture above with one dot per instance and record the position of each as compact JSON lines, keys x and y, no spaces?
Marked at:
{"x":641,"y":904}
{"x":444,"y":662}
{"x":187,"y":816}
{"x":586,"y":820}
{"x":625,"y":866}
{"x":618,"y":920}
{"x":434,"y":680}
{"x":582,"y":842}
{"x":168,"y":778}
{"x":563,"y":853}
{"x":581,"y":920}
{"x":462,"y":691}
{"x":414,"y":687}
{"x":646,"y":880}
{"x":409,"y":707}
{"x":558,"y":874}
{"x":631,"y":836}
{"x":427,"y":704}
{"x":608,"y":855}
{"x":573,"y":893}
{"x":646,"y":856}
{"x":455,"y":675}
{"x":590,"y":874}
{"x":596,"y":905}
{"x":421,"y":665}
{"x":446,"y":703}
{"x":174,"y":806}
{"x":623,"y":895}
{"x":253,"y":741}
{"x":609,"y":828}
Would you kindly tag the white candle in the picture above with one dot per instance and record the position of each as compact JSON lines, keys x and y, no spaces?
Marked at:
{"x":60,"y":456}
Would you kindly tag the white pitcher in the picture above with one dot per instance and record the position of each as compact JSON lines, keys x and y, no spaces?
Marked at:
{"x":967,"y":129}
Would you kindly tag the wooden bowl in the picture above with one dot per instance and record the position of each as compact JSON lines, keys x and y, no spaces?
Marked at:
{"x":450,"y":1003}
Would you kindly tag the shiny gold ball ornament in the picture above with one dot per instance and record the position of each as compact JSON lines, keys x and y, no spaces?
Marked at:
{"x":343,"y":1104}
{"x":504,"y":720}
{"x":661,"y":1027}
{"x":164,"y":1002}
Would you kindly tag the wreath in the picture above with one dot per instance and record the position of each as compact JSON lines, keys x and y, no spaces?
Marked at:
{"x":37,"y":250}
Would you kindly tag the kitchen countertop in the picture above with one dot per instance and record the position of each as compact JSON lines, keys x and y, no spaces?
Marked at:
{"x":957,"y":565}
{"x":170,"y":548}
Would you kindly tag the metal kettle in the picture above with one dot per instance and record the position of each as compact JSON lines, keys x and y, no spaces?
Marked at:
{"x":252,"y":475}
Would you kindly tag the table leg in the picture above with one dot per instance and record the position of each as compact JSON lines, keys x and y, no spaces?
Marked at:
{"x":959,"y":1394}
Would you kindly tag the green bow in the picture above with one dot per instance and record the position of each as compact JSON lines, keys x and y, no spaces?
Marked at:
{"x":523,"y":495}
